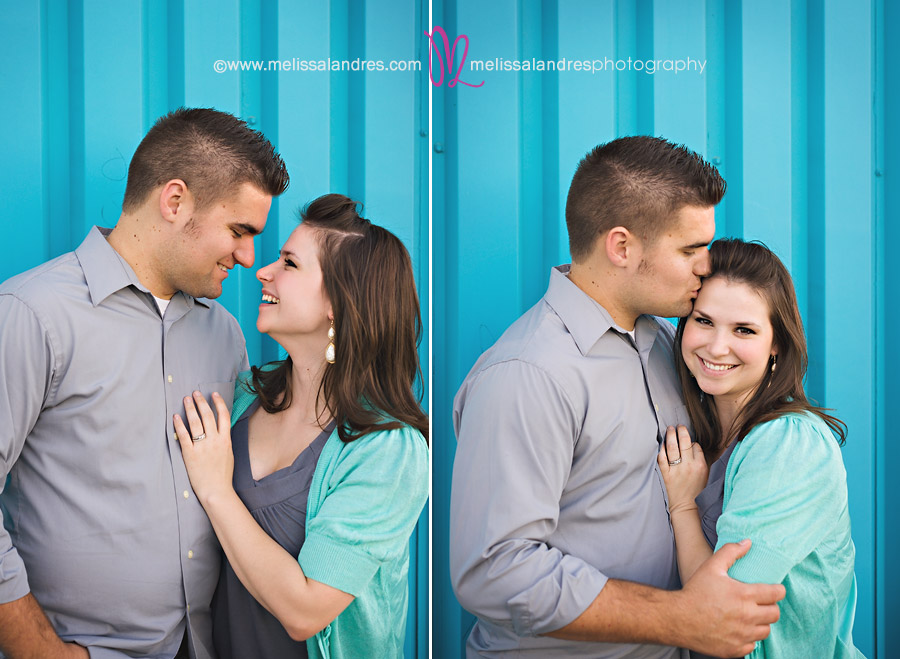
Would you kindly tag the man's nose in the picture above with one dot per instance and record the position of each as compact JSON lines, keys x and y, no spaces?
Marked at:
{"x":245,"y":254}
{"x":701,"y":268}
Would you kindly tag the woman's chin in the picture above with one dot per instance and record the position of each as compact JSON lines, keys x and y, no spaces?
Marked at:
{"x":709,"y":388}
{"x":262,"y":326}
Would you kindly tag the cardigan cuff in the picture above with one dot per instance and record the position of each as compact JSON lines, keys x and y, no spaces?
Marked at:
{"x":762,"y":564}
{"x":335,"y":563}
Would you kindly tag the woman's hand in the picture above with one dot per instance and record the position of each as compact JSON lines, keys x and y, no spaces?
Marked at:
{"x":683,"y":468}
{"x":206,"y":448}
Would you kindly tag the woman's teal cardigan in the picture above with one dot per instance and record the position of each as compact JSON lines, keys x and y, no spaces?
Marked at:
{"x":364,"y":502}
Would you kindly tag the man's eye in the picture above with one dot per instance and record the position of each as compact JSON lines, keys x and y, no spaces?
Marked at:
{"x":236,"y":234}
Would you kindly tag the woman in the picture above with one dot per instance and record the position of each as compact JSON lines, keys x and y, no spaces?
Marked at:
{"x":777,"y":475}
{"x":330,"y":457}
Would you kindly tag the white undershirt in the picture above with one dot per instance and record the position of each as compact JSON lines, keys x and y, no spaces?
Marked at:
{"x":162,"y":304}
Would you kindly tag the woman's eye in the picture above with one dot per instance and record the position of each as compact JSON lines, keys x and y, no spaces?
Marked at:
{"x":746,"y":331}
{"x":289,"y":264}
{"x":703,"y":321}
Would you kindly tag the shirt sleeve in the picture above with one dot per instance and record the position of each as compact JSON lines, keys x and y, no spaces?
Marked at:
{"x":26,"y":360}
{"x":373,"y":501}
{"x":516,"y":431}
{"x":785,"y":485}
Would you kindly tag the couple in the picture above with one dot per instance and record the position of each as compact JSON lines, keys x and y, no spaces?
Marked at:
{"x":116,"y":378}
{"x":577,"y":484}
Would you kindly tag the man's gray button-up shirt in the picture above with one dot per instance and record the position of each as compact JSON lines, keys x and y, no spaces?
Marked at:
{"x":100,"y":520}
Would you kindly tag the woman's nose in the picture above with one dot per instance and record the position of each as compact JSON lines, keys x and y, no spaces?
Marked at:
{"x":263,"y":273}
{"x":718,"y":345}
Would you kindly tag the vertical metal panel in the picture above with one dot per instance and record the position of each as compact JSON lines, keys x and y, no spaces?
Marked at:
{"x":887,"y":345}
{"x":784,"y":108}
{"x":849,"y":272}
{"x":82,"y":81}
{"x":20,"y":139}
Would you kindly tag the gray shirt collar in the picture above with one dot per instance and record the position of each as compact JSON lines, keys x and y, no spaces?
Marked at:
{"x":587,"y":320}
{"x":106,"y":272}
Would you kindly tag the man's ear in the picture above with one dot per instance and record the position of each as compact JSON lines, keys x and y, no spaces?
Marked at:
{"x":176,"y":203}
{"x":620,"y":246}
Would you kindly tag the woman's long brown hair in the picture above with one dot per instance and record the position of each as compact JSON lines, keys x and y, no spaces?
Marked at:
{"x":368,"y":277}
{"x":780,"y":391}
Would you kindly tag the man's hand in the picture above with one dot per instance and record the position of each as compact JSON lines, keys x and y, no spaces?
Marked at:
{"x":26,"y":633}
{"x":728,"y":616}
{"x":74,"y":651}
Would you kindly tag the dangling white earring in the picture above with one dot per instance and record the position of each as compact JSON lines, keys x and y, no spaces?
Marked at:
{"x":774,"y":362}
{"x":329,"y":351}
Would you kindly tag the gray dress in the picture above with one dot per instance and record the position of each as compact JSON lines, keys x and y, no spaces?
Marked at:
{"x":709,"y":506}
{"x":710,"y":499}
{"x":242,"y":628}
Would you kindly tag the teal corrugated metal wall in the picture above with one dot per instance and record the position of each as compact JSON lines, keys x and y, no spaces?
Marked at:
{"x":82,"y":81}
{"x":791,"y":106}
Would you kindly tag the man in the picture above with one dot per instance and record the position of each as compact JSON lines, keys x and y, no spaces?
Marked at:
{"x":105,"y":545}
{"x":561,"y":540}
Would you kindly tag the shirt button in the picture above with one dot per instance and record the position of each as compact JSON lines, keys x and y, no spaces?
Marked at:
{"x":169,"y":379}
{"x":188,"y":607}
{"x":190,"y":553}
{"x":657,"y":407}
{"x":187,"y":495}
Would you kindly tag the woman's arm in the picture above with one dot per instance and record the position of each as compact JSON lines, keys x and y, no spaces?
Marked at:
{"x":785,"y":488}
{"x":274,"y":577}
{"x":684,"y":481}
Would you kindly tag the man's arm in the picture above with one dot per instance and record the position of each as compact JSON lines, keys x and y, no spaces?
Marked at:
{"x":713,"y":613}
{"x":516,"y":430}
{"x":25,"y":372}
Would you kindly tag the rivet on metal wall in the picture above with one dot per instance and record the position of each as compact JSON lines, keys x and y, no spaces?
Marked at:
{"x":438,"y":147}
{"x":251,"y":121}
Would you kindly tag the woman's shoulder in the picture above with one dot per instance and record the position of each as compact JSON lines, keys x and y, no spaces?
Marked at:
{"x":399,"y":439}
{"x":798,"y":426}
{"x":789,"y":441}
{"x":378,"y":458}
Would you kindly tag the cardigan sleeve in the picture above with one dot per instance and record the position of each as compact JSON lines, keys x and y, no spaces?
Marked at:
{"x":242,"y":397}
{"x":372,"y":500}
{"x":784,"y":486}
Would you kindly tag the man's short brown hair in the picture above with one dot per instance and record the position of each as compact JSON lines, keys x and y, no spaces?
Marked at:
{"x":638,"y":183}
{"x":213,"y":152}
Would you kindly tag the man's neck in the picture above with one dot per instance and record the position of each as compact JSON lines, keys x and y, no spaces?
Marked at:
{"x":137,"y":253}
{"x":601,"y":285}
